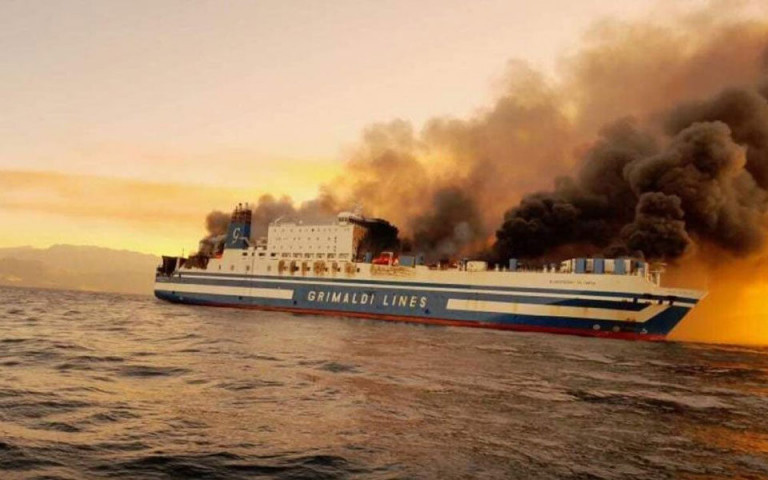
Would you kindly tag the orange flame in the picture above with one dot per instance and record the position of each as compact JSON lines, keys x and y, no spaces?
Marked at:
{"x":735,"y":310}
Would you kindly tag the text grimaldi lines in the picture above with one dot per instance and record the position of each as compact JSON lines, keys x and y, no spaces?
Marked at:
{"x":365,"y":298}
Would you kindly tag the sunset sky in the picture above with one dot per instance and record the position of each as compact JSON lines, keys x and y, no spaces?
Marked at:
{"x":122,"y":123}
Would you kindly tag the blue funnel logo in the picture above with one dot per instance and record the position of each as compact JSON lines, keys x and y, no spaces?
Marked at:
{"x":239,"y":230}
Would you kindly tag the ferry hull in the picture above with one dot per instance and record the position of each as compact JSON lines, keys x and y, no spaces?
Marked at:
{"x":599,"y":314}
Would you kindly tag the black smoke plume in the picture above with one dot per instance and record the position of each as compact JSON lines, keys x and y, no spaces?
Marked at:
{"x":658,"y":230}
{"x":630,"y":195}
{"x":380,"y":236}
{"x":449,"y":185}
{"x":449,"y":223}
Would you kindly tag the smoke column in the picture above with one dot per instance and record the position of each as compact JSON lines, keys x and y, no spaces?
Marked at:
{"x":630,"y":198}
{"x":216,"y":223}
{"x":652,"y":139}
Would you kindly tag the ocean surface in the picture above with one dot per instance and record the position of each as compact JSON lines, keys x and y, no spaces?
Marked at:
{"x":105,"y":386}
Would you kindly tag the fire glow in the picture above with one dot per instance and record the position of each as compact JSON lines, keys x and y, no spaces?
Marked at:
{"x":671,"y":165}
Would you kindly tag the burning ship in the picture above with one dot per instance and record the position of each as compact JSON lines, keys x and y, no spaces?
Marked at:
{"x":319,"y":268}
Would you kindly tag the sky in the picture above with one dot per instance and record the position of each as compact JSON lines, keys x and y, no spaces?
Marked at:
{"x":122,"y":123}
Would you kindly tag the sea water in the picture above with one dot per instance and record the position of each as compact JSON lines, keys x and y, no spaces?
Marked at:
{"x":102,"y":386}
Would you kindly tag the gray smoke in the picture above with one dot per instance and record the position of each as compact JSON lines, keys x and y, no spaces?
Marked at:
{"x":450,"y":223}
{"x":745,"y":112}
{"x":707,"y":169}
{"x":216,"y":223}
{"x":589,"y":210}
{"x":630,"y":196}
{"x":540,"y":128}
{"x":658,"y":230}
{"x":268,"y":209}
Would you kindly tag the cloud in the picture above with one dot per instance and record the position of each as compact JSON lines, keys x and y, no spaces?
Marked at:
{"x":112,"y":199}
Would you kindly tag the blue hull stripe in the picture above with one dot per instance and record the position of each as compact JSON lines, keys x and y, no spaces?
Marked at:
{"x":561,"y":291}
{"x":511,"y":297}
{"x":422,"y":304}
{"x":565,"y":292}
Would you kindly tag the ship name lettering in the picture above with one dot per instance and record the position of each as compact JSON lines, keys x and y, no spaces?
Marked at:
{"x":364,"y":298}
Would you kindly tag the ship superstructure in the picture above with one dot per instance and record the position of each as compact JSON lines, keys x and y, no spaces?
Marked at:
{"x":329,"y":268}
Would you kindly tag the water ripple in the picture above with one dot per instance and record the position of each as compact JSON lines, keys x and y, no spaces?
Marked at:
{"x":96,"y":386}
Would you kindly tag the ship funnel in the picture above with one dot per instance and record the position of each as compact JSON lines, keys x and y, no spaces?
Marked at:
{"x":239,"y":230}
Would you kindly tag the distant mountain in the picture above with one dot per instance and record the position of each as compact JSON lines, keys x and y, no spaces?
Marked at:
{"x":78,"y":268}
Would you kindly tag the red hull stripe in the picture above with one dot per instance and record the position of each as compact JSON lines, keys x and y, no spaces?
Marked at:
{"x":449,"y":323}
